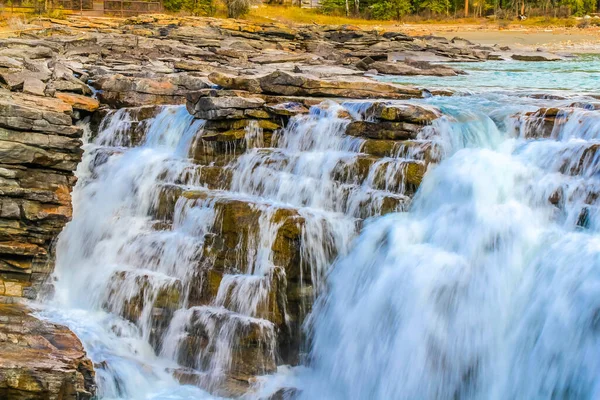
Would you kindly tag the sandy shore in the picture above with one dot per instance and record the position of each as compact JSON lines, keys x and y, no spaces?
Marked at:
{"x":551,"y":39}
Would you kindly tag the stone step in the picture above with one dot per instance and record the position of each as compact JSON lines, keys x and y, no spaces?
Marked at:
{"x":576,"y":121}
{"x":426,"y":150}
{"x":130,"y":124}
{"x":269,"y":187}
{"x":260,"y":294}
{"x":580,"y":160}
{"x":131,"y":291}
{"x":228,"y":349}
{"x":352,"y":171}
{"x":237,"y":225}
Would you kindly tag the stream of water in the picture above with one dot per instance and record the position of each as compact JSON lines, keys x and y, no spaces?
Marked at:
{"x":486,"y":285}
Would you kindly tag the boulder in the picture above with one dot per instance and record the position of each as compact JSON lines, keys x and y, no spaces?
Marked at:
{"x":287,"y":109}
{"x":78,"y":102}
{"x":72,"y":85}
{"x":40,"y":360}
{"x":15,"y":80}
{"x":8,"y":62}
{"x":227,"y":81}
{"x":403,"y":113}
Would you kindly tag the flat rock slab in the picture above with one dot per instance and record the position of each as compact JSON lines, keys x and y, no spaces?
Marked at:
{"x":78,"y":101}
{"x":536,"y":56}
{"x":15,"y":80}
{"x":281,"y":58}
{"x":34,"y":86}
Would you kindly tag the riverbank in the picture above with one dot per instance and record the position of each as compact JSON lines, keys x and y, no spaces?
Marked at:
{"x":557,"y":39}
{"x":553,"y":34}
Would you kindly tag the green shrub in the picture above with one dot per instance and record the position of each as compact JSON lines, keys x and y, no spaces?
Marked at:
{"x":390,"y":9}
{"x":194,"y":7}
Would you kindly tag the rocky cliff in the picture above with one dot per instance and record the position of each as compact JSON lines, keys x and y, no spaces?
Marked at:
{"x":40,"y":147}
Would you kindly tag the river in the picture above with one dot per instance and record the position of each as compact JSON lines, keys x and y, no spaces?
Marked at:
{"x":486,"y":285}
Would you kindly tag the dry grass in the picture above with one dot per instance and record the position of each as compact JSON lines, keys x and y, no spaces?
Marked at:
{"x":263,"y":13}
{"x":287,"y":14}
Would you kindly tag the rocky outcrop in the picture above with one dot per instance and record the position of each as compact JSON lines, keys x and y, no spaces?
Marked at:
{"x":121,"y":91}
{"x":40,"y":360}
{"x":299,"y":84}
{"x":40,"y":147}
{"x":406,"y":68}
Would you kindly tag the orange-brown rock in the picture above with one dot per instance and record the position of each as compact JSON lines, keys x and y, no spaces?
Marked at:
{"x":40,"y":360}
{"x":79,"y":102}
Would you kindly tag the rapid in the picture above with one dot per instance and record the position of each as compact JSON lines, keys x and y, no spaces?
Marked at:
{"x":482,"y":283}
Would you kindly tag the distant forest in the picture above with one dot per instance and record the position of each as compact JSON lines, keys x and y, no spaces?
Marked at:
{"x":500,"y":9}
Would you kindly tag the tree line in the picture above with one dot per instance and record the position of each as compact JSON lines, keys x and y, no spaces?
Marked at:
{"x":397,"y":9}
{"x":501,"y":9}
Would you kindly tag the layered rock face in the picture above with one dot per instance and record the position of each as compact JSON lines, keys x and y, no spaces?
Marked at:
{"x":41,"y":101}
{"x":40,"y":150}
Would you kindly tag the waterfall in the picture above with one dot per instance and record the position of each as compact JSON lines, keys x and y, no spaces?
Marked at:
{"x":175,"y":271}
{"x":191,"y":266}
{"x":489,"y":287}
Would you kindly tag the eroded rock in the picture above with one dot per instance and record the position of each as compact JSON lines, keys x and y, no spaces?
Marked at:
{"x":40,"y":360}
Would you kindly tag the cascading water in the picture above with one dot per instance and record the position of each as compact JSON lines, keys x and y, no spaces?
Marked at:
{"x":144,"y":241}
{"x":489,"y":287}
{"x":483,"y":286}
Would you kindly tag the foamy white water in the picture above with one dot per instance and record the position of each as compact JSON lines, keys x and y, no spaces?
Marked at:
{"x":485,"y":289}
{"x":486,"y":286}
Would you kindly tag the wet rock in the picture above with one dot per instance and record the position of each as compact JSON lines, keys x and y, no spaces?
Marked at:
{"x":383,"y":130}
{"x":541,"y":123}
{"x":41,"y":360}
{"x":412,"y":68}
{"x":404,"y":112}
{"x":253,"y":340}
{"x":536,"y":56}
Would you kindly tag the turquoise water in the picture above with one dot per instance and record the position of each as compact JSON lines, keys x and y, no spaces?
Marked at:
{"x":580,"y":74}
